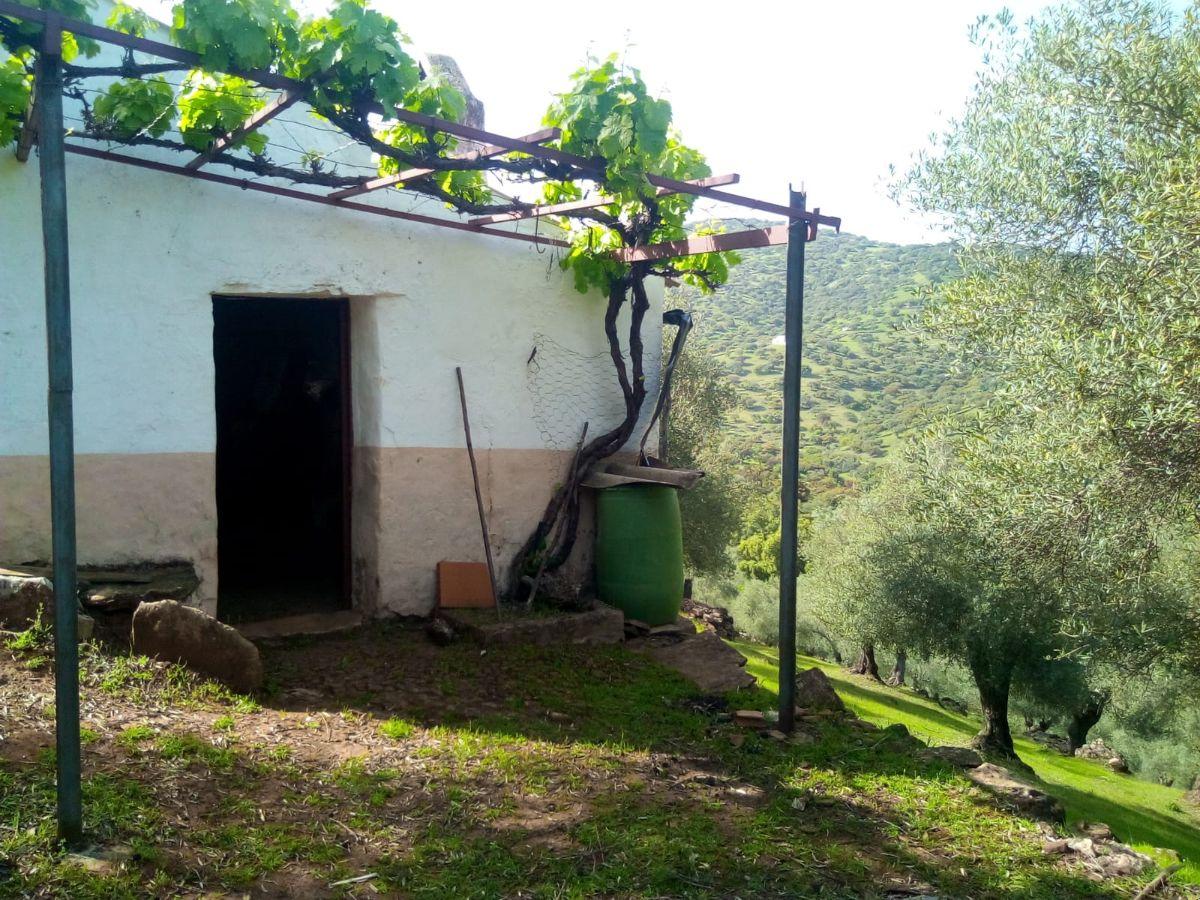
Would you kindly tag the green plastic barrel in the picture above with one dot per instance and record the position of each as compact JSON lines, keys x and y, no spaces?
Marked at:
{"x":639,"y":551}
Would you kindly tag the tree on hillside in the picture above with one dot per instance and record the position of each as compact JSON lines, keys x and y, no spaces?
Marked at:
{"x":983,"y":548}
{"x":1071,"y":181}
{"x":702,"y":397}
{"x":1064,"y":690}
{"x":761,"y":535}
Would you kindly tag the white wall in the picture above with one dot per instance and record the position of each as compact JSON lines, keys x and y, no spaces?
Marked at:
{"x":149,"y":250}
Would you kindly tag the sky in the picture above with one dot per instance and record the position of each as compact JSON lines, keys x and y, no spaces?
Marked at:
{"x":826,"y":95}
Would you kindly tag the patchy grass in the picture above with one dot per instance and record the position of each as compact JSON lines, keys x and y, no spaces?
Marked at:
{"x":535,"y":772}
{"x":397,"y":729}
{"x":1148,"y":816}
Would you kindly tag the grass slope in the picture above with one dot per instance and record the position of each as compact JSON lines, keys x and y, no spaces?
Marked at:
{"x":565,"y":772}
{"x":1143,"y":814}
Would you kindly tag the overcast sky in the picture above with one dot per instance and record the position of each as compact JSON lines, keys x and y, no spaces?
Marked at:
{"x":826,"y":94}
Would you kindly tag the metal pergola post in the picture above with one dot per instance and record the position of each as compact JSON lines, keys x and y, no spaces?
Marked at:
{"x":790,"y":493}
{"x":62,"y":442}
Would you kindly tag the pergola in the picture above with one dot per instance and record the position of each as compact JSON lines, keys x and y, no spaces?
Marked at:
{"x":44,"y":127}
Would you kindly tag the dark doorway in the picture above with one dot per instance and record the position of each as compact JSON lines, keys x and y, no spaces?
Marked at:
{"x":283,"y":438}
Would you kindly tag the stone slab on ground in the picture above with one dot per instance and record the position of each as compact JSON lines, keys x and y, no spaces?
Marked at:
{"x":24,"y":589}
{"x":308,"y":623}
{"x":1017,"y":794}
{"x":703,"y":658}
{"x":176,"y":633}
{"x":599,"y":625}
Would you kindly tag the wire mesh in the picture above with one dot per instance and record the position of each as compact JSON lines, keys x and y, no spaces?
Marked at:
{"x":568,"y":388}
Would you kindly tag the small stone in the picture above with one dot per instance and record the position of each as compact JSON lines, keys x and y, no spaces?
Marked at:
{"x":440,"y":631}
{"x":1118,"y":765}
{"x":750,"y":718}
{"x":703,"y":658}
{"x":1055,"y":847}
{"x":777,"y":735}
{"x":22,"y":598}
{"x":1082,"y":846}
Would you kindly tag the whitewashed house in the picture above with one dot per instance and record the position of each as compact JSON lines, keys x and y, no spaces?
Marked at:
{"x":265,"y":387}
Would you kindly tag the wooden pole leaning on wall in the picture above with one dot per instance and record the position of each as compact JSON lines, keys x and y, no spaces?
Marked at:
{"x":60,"y":413}
{"x":483,"y":526}
{"x":790,"y":494}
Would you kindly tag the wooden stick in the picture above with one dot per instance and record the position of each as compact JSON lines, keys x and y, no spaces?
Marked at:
{"x":552,"y":538}
{"x":1158,"y":882}
{"x":487,"y":541}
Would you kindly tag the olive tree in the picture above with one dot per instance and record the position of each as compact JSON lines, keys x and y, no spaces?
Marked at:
{"x":983,"y":547}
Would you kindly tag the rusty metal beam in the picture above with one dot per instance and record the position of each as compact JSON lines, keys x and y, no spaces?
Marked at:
{"x":294,"y":194}
{"x":375,"y":184}
{"x":812,"y":218}
{"x":259,"y":119}
{"x":594,"y":166}
{"x":706,"y":243}
{"x":533,"y":212}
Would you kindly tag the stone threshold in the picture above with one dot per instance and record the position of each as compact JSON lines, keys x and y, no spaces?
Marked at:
{"x":308,"y":623}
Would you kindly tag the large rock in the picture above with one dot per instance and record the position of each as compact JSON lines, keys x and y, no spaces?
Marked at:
{"x":176,"y":633}
{"x":702,"y":657}
{"x":22,"y":597}
{"x":1017,"y":795}
{"x":815,"y":693}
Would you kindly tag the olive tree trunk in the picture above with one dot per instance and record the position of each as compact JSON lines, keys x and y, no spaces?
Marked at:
{"x":898,"y":670}
{"x":993,"y":679}
{"x":1083,"y":720}
{"x":865,"y":664}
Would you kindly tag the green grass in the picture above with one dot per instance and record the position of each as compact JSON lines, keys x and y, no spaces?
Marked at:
{"x":1147,"y":816}
{"x":397,"y":729}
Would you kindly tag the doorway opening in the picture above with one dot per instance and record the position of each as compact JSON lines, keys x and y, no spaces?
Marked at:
{"x":283,"y":456}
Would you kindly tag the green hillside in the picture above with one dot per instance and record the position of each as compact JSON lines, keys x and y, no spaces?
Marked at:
{"x":867,"y":377}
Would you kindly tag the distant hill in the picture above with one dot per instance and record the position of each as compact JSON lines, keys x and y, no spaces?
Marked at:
{"x":867,"y":379}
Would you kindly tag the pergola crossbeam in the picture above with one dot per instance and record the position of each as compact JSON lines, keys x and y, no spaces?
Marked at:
{"x":285,"y":100}
{"x":485,"y":152}
{"x":293,"y":194}
{"x":534,"y":212}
